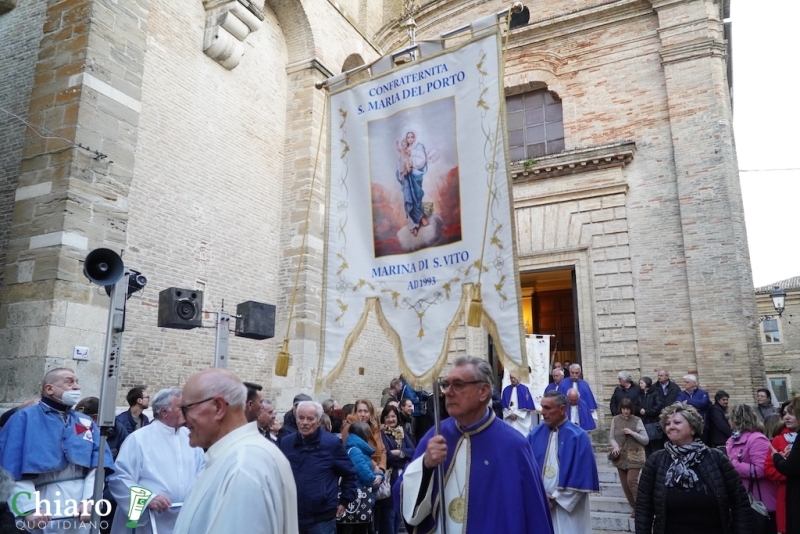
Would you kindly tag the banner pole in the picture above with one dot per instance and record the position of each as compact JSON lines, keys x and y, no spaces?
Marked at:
{"x":439,"y":469}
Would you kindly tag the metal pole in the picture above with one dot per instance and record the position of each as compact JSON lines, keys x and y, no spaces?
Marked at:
{"x":439,"y":468}
{"x":221,"y":345}
{"x":108,"y":386}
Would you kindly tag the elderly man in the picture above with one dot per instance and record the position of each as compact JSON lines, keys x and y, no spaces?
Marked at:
{"x":247,"y":484}
{"x":51,"y":452}
{"x":694,"y":396}
{"x":588,"y":406}
{"x":518,"y":407}
{"x":668,"y":388}
{"x":160,"y":459}
{"x":265,"y":418}
{"x":252,"y":407}
{"x":565,"y":456}
{"x":321,"y":470}
{"x":289,"y":423}
{"x":626,"y":390}
{"x":474,"y":445}
{"x":577,"y":413}
{"x":558,"y":376}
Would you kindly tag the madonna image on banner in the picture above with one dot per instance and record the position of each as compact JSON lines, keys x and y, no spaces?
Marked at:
{"x":414,"y":179}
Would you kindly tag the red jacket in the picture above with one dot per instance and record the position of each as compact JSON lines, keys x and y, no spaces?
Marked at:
{"x":780,"y":444}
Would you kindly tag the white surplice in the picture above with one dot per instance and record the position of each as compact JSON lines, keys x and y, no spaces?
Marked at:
{"x":454,"y":487}
{"x":524,"y":418}
{"x":571,"y":514}
{"x":159,"y":458}
{"x":247,"y":485}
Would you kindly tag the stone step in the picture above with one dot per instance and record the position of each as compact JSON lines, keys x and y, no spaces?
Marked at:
{"x":616,"y":522}
{"x":609,"y":504}
{"x":612,"y":490}
{"x":608,"y":477}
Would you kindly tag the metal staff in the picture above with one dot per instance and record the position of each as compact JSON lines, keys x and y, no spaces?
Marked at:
{"x":439,"y":468}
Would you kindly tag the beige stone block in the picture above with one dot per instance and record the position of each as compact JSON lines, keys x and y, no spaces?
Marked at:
{"x":84,"y":316}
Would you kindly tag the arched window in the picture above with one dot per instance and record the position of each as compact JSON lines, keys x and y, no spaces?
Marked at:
{"x":535,"y":125}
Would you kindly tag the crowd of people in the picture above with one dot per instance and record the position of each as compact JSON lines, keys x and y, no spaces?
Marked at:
{"x":216,"y":459}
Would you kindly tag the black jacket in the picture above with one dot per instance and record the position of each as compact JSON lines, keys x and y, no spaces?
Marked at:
{"x":126,"y":419}
{"x":289,"y":426}
{"x":621,"y":393}
{"x":718,"y":430}
{"x":652,"y":402}
{"x":673,"y":390}
{"x":790,"y":468}
{"x":317,"y":464}
{"x":715,"y":470}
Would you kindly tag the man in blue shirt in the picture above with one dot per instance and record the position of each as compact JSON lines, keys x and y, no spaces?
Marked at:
{"x":694,"y":396}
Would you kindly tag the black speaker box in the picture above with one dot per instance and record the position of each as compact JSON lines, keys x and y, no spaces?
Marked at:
{"x":257,"y":320}
{"x":180,"y":308}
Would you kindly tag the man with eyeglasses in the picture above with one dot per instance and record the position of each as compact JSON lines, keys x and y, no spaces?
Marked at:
{"x":483,"y":460}
{"x":169,"y":471}
{"x":247,"y":484}
{"x":133,"y":418}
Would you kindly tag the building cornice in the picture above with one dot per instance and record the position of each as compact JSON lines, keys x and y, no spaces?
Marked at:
{"x":574,"y":161}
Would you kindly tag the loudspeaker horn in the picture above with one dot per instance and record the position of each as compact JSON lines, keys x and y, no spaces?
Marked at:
{"x":103,"y":267}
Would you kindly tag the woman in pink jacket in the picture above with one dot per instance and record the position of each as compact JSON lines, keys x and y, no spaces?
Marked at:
{"x":748,"y":449}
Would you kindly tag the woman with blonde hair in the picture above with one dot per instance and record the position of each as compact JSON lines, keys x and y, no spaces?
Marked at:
{"x":748,"y":449}
{"x":364,"y":411}
{"x":628,"y":438}
{"x":689,"y":488}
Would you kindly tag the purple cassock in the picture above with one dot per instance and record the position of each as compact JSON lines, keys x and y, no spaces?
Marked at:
{"x":504,"y":484}
{"x":524,"y":397}
{"x":585,"y":405}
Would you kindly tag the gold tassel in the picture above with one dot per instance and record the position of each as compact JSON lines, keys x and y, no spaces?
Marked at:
{"x":282,"y":363}
{"x":475,"y":308}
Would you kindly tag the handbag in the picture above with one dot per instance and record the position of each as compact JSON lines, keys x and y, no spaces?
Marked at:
{"x":359,"y":510}
{"x":385,"y":489}
{"x":654,"y":431}
{"x":759,"y":512}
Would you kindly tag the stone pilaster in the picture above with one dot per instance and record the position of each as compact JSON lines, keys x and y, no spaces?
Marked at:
{"x":693,"y":54}
{"x":70,"y":200}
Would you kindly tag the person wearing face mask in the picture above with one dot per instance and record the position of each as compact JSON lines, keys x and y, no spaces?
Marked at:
{"x":51,"y":449}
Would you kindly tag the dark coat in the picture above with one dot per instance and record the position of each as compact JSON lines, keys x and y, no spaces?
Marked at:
{"x":317,"y":464}
{"x":622,"y":393}
{"x":790,"y":468}
{"x":671,"y":395}
{"x":289,"y":426}
{"x":396,"y":463}
{"x":652,"y":402}
{"x":126,"y":419}
{"x":718,"y":429}
{"x":715,"y":470}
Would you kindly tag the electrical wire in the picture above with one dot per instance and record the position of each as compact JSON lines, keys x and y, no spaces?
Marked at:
{"x":52,"y":135}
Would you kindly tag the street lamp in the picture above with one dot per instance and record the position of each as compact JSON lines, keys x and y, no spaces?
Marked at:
{"x":778,"y":297}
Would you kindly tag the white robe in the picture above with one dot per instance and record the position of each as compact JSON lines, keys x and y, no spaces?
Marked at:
{"x":571,"y":515}
{"x":454,"y":487}
{"x":159,"y":458}
{"x":247,"y":485}
{"x":524,"y":417}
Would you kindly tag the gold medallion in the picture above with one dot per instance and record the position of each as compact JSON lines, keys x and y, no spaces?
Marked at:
{"x":549,"y":471}
{"x":457,"y":509}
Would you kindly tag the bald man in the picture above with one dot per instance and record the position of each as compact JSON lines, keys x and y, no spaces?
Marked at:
{"x":247,"y":484}
{"x":518,"y":407}
{"x":51,"y":452}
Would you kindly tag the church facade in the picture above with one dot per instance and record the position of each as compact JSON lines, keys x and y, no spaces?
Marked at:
{"x":202,"y":124}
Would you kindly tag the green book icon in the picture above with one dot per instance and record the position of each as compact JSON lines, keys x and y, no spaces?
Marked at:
{"x":139,"y":498}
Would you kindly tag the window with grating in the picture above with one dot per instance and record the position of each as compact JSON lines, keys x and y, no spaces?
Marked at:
{"x":535,"y":125}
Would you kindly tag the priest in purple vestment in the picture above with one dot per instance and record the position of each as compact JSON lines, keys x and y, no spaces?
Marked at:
{"x":491,"y":481}
{"x":586,"y":414}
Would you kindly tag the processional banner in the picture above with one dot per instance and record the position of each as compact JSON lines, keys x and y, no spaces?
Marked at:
{"x":410,"y":180}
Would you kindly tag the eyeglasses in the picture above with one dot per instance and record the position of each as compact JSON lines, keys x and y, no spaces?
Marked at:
{"x":457,"y":385}
{"x":185,"y":409}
